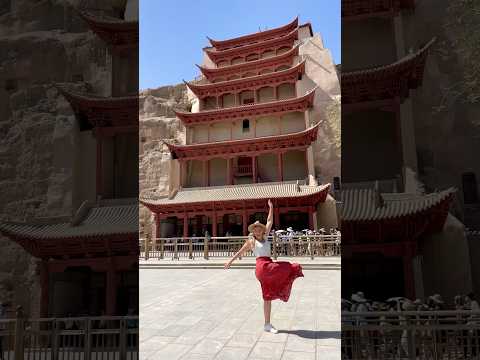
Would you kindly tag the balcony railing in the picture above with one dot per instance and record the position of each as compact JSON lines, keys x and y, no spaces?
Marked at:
{"x":243,"y":170}
{"x":411,"y":335}
{"x":194,"y":247}
{"x":106,"y":337}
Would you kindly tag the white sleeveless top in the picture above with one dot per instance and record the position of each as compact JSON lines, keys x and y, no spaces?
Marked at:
{"x":262,"y":248}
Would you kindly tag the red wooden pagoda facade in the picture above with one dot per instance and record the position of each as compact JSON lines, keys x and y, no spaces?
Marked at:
{"x":249,"y":138}
{"x":384,"y":218}
{"x":99,"y":243}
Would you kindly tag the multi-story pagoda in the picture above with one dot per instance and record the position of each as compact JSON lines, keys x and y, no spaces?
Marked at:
{"x":393,"y":231}
{"x":250,"y":137}
{"x":89,"y":261}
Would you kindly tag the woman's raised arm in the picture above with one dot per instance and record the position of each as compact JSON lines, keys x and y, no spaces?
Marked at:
{"x":269,"y":218}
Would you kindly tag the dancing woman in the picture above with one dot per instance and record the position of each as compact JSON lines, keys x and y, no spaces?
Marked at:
{"x":276,"y":277}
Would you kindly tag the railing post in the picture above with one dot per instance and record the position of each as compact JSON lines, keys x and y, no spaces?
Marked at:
{"x":274,"y":246}
{"x":190,"y":249}
{"x":88,"y":338}
{"x":55,"y":340}
{"x":175,"y":249}
{"x":123,"y":340}
{"x":310,"y":248}
{"x":154,"y":246}
{"x":205,"y":248}
{"x":162,"y":248}
{"x":146,"y":248}
{"x":19,"y":334}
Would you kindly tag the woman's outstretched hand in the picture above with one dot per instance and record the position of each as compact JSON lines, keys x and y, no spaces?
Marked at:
{"x":270,"y":204}
{"x":228,"y":264}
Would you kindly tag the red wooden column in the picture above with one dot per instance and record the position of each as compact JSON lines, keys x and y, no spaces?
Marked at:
{"x":205,"y":172}
{"x":229,"y":171}
{"x":408,"y":274}
{"x":311,"y":225}
{"x":180,"y":182}
{"x":276,"y":217}
{"x":214,"y":224}
{"x":99,"y":165}
{"x":254,"y":168}
{"x":111,"y":291}
{"x":275,"y":93}
{"x":185,"y":225}
{"x":245,"y":224}
{"x":156,"y":233}
{"x":280,"y":166}
{"x":44,"y":284}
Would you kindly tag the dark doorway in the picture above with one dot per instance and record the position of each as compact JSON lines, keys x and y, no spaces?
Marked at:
{"x":295,"y":219}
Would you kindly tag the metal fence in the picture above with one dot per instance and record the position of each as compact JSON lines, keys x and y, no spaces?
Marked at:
{"x":416,"y":335}
{"x":193,"y":247}
{"x":89,"y":338}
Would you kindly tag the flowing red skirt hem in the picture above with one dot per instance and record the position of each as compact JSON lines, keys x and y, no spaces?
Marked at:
{"x":276,"y":277}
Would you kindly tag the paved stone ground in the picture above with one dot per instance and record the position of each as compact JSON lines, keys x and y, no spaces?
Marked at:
{"x":199,"y":314}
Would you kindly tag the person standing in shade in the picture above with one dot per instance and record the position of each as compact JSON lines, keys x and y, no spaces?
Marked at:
{"x":276,"y":277}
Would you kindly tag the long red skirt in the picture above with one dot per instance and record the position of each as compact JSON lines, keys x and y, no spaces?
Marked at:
{"x":276,"y":277}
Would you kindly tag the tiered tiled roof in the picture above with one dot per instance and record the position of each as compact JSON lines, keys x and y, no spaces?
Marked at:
{"x":277,"y":107}
{"x":106,"y":228}
{"x":256,"y":37}
{"x":363,"y":205}
{"x":256,"y":66}
{"x":254,"y":146}
{"x":116,"y":32}
{"x":360,"y":9}
{"x":252,"y":82}
{"x":103,"y":111}
{"x":218,"y":197}
{"x":385,"y":82}
{"x":287,"y":40}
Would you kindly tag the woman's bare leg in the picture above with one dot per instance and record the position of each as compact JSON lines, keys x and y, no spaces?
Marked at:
{"x":267,"y":310}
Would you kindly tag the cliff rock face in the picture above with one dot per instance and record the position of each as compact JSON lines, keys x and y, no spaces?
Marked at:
{"x":42,"y":44}
{"x":158,"y":123}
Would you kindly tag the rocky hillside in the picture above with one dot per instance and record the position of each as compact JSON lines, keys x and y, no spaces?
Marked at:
{"x":158,"y":123}
{"x":43,"y":43}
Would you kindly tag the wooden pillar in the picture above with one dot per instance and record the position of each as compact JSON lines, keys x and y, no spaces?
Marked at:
{"x":214,"y":224}
{"x":156,"y":233}
{"x":310,"y":218}
{"x":280,"y":166}
{"x":218,"y":102}
{"x":111,"y":291}
{"x":275,"y":92}
{"x":181,"y":173}
{"x":185,"y":225}
{"x":229,"y":171}
{"x":245,"y":222}
{"x":99,"y":165}
{"x":409,"y":276}
{"x":255,"y":96}
{"x":44,"y":284}
{"x":205,"y":172}
{"x":276,"y":217}
{"x":254,"y":168}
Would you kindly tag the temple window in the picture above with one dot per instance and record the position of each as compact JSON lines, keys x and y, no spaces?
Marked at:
{"x":246,"y":125}
{"x":247,"y":97}
{"x":286,"y":91}
{"x":222,"y":63}
{"x":268,"y":53}
{"x":252,"y":57}
{"x":283,"y":50}
{"x":237,"y":60}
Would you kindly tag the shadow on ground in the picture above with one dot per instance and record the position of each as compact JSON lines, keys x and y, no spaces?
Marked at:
{"x":310,"y":334}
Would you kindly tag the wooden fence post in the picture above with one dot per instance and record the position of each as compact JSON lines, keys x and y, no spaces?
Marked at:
{"x":205,"y":248}
{"x":175,"y":249}
{"x":123,"y":340}
{"x":146,"y":247}
{"x":190,"y":249}
{"x":310,"y":247}
{"x":162,"y":248}
{"x":19,"y":334}
{"x":88,"y":338}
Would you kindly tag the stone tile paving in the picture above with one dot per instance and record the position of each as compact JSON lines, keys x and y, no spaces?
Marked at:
{"x":203,"y":314}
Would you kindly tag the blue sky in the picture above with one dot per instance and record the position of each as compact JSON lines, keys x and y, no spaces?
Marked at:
{"x":173,"y":33}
